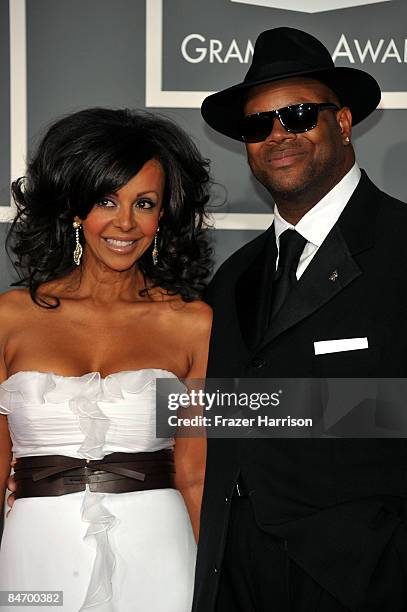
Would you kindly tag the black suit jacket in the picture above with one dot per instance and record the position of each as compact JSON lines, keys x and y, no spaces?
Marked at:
{"x":335,"y":503}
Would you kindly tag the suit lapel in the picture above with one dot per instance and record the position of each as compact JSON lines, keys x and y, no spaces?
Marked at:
{"x":331,"y":270}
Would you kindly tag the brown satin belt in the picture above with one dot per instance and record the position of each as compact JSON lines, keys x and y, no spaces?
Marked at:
{"x":51,"y":475}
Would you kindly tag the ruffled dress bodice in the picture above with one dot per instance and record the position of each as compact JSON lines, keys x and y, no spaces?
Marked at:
{"x":82,"y":416}
{"x":86,"y":417}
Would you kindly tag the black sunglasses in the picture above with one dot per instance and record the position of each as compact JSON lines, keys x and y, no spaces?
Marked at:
{"x":295,"y":118}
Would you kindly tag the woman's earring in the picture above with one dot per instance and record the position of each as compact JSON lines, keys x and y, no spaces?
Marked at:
{"x":77,"y":254}
{"x":155,"y":249}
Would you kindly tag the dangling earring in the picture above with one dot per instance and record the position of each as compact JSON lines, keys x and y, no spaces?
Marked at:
{"x":77,"y":254}
{"x":155,"y":249}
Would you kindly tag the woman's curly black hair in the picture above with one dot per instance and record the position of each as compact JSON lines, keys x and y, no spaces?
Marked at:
{"x":84,"y":157}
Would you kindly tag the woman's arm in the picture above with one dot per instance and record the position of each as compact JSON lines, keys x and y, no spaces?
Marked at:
{"x":7,"y":314}
{"x":190,"y":458}
{"x":5,"y":458}
{"x":190,"y":453}
{"x":5,"y":441}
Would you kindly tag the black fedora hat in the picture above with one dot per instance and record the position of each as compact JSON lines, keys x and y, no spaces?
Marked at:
{"x":284,"y":53}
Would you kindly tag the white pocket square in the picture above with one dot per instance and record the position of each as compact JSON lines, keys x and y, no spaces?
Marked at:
{"x":338,"y":346}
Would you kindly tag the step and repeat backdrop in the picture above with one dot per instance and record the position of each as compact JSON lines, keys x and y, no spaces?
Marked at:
{"x":59,"y":56}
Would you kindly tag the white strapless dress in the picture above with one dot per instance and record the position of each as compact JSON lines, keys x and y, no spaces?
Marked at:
{"x":126,"y":552}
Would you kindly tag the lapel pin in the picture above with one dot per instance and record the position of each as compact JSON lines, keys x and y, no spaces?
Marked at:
{"x":333,"y":276}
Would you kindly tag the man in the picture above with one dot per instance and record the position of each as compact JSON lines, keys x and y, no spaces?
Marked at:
{"x":294,"y":524}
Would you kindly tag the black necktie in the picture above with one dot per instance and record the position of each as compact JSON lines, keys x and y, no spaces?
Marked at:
{"x":291,"y":246}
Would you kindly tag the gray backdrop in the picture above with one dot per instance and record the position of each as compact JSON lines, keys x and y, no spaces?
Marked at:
{"x":93,"y":52}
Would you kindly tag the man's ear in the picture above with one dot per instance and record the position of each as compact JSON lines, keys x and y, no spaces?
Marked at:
{"x":344,"y":119}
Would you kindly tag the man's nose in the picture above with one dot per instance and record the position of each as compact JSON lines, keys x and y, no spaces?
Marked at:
{"x":279,"y":133}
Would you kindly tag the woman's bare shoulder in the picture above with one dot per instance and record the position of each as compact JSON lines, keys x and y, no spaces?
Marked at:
{"x":199,"y":309}
{"x":14,"y":304}
{"x":197,"y":317}
{"x":15,"y":298}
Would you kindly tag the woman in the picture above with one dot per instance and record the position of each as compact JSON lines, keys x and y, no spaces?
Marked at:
{"x":109,"y":244}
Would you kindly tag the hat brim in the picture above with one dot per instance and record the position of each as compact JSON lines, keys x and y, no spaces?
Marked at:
{"x":355,"y":89}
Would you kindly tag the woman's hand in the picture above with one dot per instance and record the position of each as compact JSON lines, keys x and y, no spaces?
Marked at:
{"x":11,"y":486}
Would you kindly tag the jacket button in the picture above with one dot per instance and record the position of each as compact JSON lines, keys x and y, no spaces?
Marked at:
{"x":258,"y":363}
{"x":227,"y":499}
{"x":216,"y":571}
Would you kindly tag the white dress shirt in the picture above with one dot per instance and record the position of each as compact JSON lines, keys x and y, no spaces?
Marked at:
{"x":316,"y":224}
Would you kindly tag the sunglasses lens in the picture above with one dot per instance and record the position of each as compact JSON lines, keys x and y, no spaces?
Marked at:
{"x":256,"y":128}
{"x":299,"y":117}
{"x":296,"y":118}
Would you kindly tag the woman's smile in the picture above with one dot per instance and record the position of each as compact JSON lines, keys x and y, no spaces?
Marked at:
{"x":120,"y":245}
